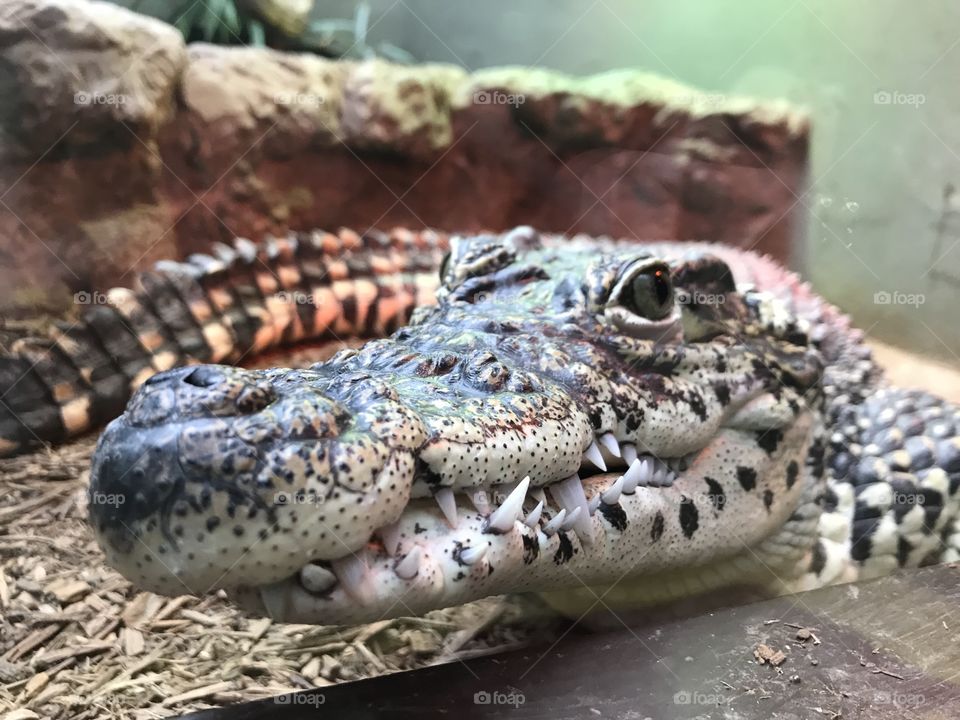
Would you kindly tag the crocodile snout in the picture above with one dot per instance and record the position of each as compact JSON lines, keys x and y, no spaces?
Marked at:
{"x":130,"y":480}
{"x":201,"y":391}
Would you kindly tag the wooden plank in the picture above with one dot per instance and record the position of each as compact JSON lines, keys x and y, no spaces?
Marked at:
{"x":885,"y":650}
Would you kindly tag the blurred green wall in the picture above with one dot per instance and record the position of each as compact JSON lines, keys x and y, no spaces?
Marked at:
{"x":879,"y":78}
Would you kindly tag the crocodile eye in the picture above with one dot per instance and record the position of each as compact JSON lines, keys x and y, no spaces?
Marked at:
{"x":649,"y":294}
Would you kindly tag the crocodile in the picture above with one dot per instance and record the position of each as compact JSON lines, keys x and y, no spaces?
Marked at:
{"x":579,"y":417}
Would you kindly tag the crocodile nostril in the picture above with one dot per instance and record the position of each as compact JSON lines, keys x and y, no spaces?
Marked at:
{"x":203,"y":377}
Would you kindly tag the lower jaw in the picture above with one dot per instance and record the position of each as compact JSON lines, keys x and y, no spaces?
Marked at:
{"x":456,"y":565}
{"x":479,"y":511}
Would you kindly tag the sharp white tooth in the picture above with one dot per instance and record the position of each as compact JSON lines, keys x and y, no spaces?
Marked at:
{"x":506,"y":515}
{"x":448,"y":505}
{"x":659,"y":477}
{"x":480,"y":500}
{"x":571,"y":520}
{"x":410,"y":565}
{"x":569,"y":495}
{"x":539,"y":494}
{"x":352,"y":574}
{"x":593,"y":504}
{"x":629,"y":453}
{"x":316,"y":578}
{"x":274,"y":599}
{"x":390,"y":535}
{"x":612,"y":494}
{"x":609,"y":441}
{"x":470,"y":555}
{"x":551,"y":527}
{"x":649,"y":467}
{"x":534,"y":517}
{"x":592,"y":454}
{"x":635,"y":475}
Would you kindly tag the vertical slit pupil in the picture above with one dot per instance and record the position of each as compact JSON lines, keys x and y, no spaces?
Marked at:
{"x":661,"y":286}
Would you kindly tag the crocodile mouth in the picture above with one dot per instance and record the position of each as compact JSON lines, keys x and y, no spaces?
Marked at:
{"x":448,"y":544}
{"x":332,"y":496}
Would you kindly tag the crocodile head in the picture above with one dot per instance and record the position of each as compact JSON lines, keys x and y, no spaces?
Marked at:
{"x":566,"y":415}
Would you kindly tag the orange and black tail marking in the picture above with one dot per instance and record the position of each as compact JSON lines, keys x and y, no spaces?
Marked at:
{"x":226,"y":307}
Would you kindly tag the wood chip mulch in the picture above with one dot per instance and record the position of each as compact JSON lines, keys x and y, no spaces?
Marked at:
{"x":78,"y":641}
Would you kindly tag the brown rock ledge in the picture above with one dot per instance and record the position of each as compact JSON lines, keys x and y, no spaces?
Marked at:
{"x":120,"y":146}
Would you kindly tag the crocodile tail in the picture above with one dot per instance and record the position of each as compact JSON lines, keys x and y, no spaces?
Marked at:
{"x":224,"y":307}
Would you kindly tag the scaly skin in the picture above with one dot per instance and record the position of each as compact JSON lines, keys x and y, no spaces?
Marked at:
{"x":228,"y":307}
{"x":363,"y":487}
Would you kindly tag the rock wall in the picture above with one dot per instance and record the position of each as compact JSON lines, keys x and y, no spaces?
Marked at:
{"x":119,"y":146}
